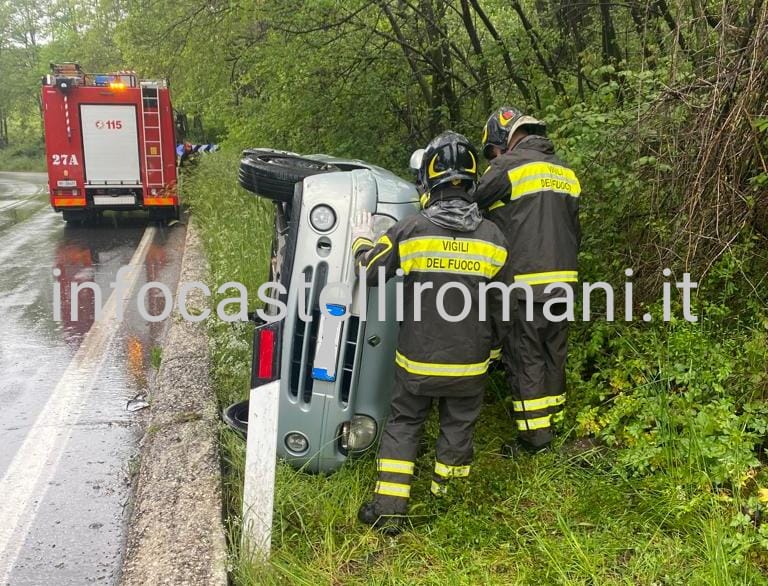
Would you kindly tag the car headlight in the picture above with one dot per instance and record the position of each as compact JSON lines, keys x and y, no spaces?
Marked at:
{"x":382,"y":223}
{"x":322,"y":218}
{"x":358,"y":434}
{"x":296,"y":442}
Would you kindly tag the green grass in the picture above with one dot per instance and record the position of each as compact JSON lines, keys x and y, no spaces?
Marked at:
{"x":553,"y":518}
{"x":22,"y":158}
{"x":156,"y":357}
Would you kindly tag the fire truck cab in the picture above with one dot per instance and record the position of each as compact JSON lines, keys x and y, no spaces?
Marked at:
{"x":110,"y":144}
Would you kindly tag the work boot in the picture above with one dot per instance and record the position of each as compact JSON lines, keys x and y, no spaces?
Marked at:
{"x":586,"y":452}
{"x":388,"y":522}
{"x":517,"y":448}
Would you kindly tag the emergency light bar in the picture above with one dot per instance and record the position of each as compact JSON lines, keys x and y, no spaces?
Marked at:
{"x":68,"y":75}
{"x":115,"y":82}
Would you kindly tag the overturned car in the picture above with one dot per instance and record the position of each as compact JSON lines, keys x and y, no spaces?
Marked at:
{"x":335,"y":375}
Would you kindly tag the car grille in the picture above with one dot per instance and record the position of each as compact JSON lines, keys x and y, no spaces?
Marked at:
{"x":305,"y":334}
{"x":304,"y":344}
{"x":351,"y":333}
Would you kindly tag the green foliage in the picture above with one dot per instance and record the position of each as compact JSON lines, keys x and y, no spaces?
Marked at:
{"x":239,"y":254}
{"x":662,"y":114}
{"x":23,"y":157}
{"x":672,"y":501}
{"x":760,"y":181}
{"x":156,"y":357}
{"x":686,"y":398}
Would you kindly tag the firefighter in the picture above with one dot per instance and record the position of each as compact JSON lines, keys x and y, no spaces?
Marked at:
{"x":534,"y":199}
{"x":436,"y":360}
{"x":185,"y":152}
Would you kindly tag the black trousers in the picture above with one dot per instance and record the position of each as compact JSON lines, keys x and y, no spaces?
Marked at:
{"x":534,"y":354}
{"x":400,"y":444}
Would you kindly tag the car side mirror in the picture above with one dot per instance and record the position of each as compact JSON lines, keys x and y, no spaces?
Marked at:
{"x":416,"y":158}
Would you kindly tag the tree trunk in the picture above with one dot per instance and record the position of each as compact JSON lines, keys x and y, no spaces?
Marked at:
{"x":663,"y":10}
{"x":426,"y":92}
{"x":611,"y":52}
{"x":3,"y":130}
{"x":549,"y":68}
{"x":486,"y":97}
{"x":513,"y":75}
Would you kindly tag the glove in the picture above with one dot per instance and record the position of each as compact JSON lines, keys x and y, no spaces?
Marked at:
{"x":362,"y":225}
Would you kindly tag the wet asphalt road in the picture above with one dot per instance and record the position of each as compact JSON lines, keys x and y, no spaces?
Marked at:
{"x":68,"y":442}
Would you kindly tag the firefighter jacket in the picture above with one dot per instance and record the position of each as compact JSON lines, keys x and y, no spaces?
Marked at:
{"x":534,"y":199}
{"x":437,"y":357}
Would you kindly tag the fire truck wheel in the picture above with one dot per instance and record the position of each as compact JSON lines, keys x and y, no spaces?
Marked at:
{"x":165,"y":213}
{"x":274,"y":174}
{"x":77,"y":216}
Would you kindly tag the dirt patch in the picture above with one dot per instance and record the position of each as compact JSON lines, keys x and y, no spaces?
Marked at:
{"x":176,"y":534}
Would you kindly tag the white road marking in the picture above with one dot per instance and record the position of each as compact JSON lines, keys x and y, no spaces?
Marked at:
{"x":26,"y":479}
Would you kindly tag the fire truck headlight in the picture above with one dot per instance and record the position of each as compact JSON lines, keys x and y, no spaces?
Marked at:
{"x":358,"y":434}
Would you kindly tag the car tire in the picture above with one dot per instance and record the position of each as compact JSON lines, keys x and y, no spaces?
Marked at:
{"x":274,"y":174}
{"x":236,"y":417}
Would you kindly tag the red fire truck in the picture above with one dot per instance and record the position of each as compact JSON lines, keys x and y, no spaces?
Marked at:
{"x":110,"y":144}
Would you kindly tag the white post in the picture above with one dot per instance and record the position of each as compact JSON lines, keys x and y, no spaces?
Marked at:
{"x":260,"y":459}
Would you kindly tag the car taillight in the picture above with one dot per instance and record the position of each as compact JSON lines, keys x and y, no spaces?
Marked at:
{"x":265,"y":363}
{"x":266,"y":353}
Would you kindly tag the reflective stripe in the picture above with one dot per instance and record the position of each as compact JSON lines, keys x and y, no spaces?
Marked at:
{"x":493,"y":253}
{"x":495,"y":353}
{"x":465,"y":256}
{"x":441,"y":254}
{"x":451,"y":471}
{"x":432,"y":171}
{"x":436,"y":369}
{"x":361,"y":241}
{"x":531,"y":170}
{"x":545,"y":183}
{"x":393,"y":489}
{"x":438,"y":489}
{"x":538,"y":177}
{"x":536,"y":423}
{"x":394,"y":466}
{"x":159,"y":201}
{"x":548,"y":277}
{"x":495,"y":205}
{"x":541,"y":403}
{"x":384,"y":239}
{"x":61,"y":202}
{"x":473,"y":168}
{"x":459,"y":266}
